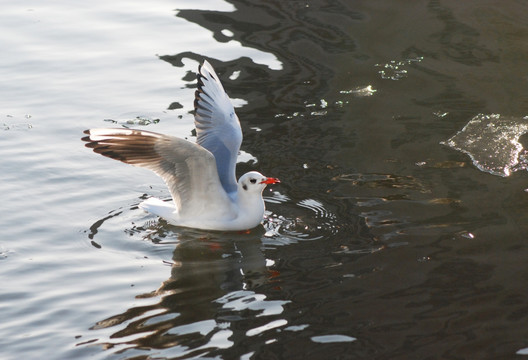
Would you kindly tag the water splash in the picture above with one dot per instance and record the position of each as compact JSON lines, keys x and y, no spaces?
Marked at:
{"x":492,"y":143}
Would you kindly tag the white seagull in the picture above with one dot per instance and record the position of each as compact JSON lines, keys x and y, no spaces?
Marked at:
{"x":200,"y":176}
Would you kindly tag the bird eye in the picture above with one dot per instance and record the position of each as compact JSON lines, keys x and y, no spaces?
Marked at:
{"x":253,"y":181}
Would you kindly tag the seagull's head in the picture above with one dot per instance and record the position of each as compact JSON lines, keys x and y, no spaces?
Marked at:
{"x":254,"y":182}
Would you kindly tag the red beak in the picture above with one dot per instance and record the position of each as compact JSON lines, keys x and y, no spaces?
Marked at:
{"x":270,"y":181}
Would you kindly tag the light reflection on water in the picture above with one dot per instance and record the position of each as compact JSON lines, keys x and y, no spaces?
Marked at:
{"x":212,"y":295}
{"x":208,"y":299}
{"x":379,"y":243}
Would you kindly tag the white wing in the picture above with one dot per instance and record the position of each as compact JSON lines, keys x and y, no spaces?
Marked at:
{"x":188,"y":169}
{"x":217,"y":126}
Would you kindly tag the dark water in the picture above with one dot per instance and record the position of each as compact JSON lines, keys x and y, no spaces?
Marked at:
{"x":382,"y":242}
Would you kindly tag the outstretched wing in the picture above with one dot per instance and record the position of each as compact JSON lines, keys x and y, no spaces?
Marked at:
{"x":188,"y":169}
{"x":217,"y":126}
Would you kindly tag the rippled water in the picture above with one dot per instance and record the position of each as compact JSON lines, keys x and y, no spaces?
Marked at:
{"x":390,"y":237}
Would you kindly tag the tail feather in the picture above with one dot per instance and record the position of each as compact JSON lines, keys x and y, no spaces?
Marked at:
{"x":158,"y":207}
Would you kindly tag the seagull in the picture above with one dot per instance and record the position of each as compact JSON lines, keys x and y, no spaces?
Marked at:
{"x":200,"y":176}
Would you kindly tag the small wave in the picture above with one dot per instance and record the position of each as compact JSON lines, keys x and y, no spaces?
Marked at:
{"x":285,"y":222}
{"x":307,"y":219}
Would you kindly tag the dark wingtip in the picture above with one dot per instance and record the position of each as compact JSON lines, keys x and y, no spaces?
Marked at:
{"x":91,"y":145}
{"x":199,"y":90}
{"x":199,"y":80}
{"x":86,"y":138}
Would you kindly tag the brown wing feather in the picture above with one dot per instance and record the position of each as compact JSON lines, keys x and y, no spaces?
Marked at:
{"x":188,"y":169}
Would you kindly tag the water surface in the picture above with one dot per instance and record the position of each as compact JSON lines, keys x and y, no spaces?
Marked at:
{"x":383,"y":241}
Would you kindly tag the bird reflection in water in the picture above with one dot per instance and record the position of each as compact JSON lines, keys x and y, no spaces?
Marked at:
{"x":210,"y":301}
